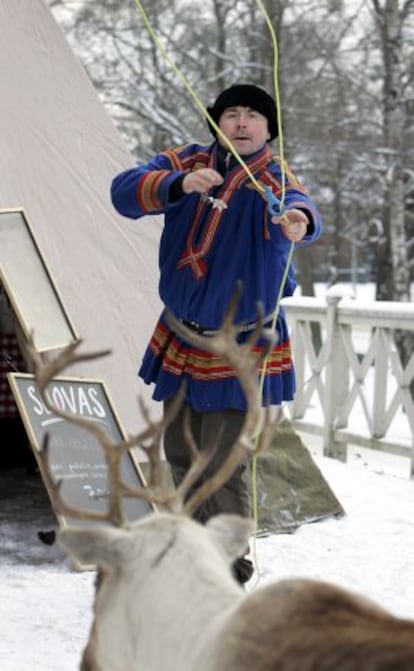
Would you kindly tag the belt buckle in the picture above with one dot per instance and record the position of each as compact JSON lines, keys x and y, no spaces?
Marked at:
{"x":194,"y":326}
{"x":197,"y":328}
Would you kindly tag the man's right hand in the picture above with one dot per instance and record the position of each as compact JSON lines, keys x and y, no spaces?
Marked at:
{"x":201,"y":181}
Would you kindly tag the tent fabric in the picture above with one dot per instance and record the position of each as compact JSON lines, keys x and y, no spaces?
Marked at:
{"x":59,"y":151}
{"x":291,"y":489}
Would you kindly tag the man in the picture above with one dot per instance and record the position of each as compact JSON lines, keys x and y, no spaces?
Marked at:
{"x":204,"y":251}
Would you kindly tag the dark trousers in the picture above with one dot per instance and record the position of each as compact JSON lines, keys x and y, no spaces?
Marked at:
{"x":234,"y":496}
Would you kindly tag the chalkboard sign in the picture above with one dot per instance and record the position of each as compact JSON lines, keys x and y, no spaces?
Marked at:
{"x":29,"y":284}
{"x":75,"y":456}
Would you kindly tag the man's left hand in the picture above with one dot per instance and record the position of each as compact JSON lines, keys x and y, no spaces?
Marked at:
{"x":294,"y":224}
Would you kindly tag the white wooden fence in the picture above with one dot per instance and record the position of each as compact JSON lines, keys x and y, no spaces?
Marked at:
{"x":354,"y":390}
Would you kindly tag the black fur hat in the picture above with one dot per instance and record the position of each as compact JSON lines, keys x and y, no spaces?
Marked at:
{"x":245,"y":95}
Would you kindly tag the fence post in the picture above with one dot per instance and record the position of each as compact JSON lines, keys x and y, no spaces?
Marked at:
{"x":300,"y":368}
{"x":336,"y":378}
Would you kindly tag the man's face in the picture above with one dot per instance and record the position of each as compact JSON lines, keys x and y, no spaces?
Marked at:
{"x":246,"y":128}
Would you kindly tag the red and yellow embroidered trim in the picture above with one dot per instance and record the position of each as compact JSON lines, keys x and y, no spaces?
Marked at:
{"x":147,"y":191}
{"x":178,"y":358}
{"x":195,"y":254}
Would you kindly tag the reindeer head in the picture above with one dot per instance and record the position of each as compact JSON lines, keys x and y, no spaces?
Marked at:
{"x":151,"y":569}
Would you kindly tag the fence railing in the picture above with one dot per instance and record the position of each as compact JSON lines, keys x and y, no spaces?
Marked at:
{"x":352,"y":387}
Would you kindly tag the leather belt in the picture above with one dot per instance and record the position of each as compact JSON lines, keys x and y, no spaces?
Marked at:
{"x":206,"y":331}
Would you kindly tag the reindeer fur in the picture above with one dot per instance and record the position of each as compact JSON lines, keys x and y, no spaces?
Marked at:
{"x":167,"y":601}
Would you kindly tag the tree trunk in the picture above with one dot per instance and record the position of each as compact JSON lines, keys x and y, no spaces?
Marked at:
{"x":390,"y":19}
{"x":303,"y":262}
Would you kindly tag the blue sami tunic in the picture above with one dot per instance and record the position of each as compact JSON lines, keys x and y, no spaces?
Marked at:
{"x":203,"y":253}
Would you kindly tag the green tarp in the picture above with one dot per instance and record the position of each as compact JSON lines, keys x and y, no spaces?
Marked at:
{"x":291,"y":489}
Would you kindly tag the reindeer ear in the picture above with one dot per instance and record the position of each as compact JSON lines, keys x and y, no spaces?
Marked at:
{"x":231,"y":533}
{"x":105,"y":546}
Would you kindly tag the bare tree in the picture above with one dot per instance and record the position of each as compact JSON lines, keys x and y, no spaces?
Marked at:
{"x":393,"y":281}
{"x":393,"y":276}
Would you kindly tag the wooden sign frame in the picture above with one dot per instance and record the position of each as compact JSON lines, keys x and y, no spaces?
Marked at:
{"x":29,"y":285}
{"x":75,"y":456}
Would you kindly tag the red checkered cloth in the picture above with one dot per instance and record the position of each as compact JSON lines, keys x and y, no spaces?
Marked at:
{"x":11,"y":361}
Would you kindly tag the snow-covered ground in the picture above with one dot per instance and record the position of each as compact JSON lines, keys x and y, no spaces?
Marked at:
{"x":45,"y":605}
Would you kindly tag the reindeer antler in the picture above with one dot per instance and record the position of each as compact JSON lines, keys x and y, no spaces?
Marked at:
{"x":43,"y":373}
{"x":240,"y":357}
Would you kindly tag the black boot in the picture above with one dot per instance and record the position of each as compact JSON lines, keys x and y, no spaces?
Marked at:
{"x":243,"y":570}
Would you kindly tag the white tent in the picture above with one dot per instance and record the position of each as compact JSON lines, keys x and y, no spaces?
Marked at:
{"x":59,"y":151}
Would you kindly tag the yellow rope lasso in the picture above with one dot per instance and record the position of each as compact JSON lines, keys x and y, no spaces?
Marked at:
{"x":208,"y":116}
{"x":258,"y":186}
{"x":195,"y":97}
{"x":255,"y":503}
